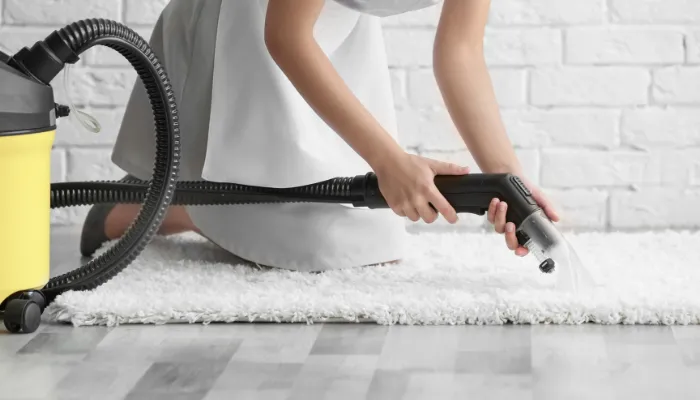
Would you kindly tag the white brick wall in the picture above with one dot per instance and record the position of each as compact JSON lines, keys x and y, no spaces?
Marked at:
{"x":601,"y":99}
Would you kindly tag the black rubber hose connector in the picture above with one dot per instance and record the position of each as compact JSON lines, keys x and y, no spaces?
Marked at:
{"x":43,"y":62}
{"x":62,"y":111}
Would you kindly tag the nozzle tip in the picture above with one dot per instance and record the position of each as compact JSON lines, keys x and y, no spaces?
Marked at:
{"x":547,"y":266}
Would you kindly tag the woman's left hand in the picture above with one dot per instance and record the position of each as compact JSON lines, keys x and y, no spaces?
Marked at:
{"x":497,"y":216}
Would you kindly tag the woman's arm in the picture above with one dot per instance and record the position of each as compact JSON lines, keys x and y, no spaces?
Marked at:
{"x":290,"y":41}
{"x":466,"y":87}
{"x":406,"y":181}
{"x":467,"y":90}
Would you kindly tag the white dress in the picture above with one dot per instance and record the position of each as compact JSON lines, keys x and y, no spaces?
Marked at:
{"x":243,"y":121}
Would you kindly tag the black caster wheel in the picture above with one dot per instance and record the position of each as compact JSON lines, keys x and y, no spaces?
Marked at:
{"x":36,"y":297}
{"x":22,"y":315}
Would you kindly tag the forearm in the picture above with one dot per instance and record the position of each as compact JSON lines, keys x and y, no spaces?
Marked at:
{"x":302,"y":60}
{"x":467,"y":91}
{"x":465,"y":84}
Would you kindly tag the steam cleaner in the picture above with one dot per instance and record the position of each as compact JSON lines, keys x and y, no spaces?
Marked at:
{"x":28,"y":116}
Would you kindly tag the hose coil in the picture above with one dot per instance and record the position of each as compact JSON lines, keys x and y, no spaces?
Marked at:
{"x":159,"y":192}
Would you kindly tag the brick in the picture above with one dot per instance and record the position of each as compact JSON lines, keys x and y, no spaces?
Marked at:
{"x":624,"y":46}
{"x":586,"y":168}
{"x":693,"y":46}
{"x":522,"y":47}
{"x":143,"y":12}
{"x":14,"y":38}
{"x":428,"y":129}
{"x":580,"y":208}
{"x":508,"y":84}
{"x":655,"y":208}
{"x":676,"y":85}
{"x":673,"y":167}
{"x":409,"y":47}
{"x":98,"y":87}
{"x":92,"y":164}
{"x":106,"y":57}
{"x":58,"y":165}
{"x":619,"y":168}
{"x":429,"y":16}
{"x":546,"y":12}
{"x":603,"y":86}
{"x":398,"y":86}
{"x":655,"y":127}
{"x":562,"y":127}
{"x":422,"y":89}
{"x":695,"y":175}
{"x":655,"y":11}
{"x":44,"y":12}
{"x":71,"y":133}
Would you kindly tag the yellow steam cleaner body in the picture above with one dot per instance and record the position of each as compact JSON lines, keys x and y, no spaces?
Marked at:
{"x":25,"y":169}
{"x":28,"y":116}
{"x":27,"y":131}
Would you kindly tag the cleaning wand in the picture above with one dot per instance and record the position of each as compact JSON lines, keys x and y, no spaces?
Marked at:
{"x":471,"y":193}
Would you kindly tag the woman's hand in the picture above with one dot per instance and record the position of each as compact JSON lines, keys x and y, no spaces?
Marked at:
{"x":497,"y":216}
{"x":407,"y":183}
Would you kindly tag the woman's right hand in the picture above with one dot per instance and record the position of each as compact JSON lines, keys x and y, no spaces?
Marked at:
{"x":407,"y":183}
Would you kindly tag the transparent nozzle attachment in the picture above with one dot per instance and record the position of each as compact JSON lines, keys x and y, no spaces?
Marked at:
{"x":541,"y":239}
{"x":553,"y":251}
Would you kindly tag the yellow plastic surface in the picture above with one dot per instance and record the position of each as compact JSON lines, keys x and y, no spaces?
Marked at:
{"x":25,"y":211}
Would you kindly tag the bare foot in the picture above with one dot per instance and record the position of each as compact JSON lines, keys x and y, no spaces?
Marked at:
{"x":122,"y":215}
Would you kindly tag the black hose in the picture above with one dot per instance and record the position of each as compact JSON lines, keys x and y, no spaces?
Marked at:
{"x":202,"y":193}
{"x":44,"y":61}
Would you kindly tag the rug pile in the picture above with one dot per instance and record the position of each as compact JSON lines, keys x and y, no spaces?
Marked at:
{"x":449,"y":278}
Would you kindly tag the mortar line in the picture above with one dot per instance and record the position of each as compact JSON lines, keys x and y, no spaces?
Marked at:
{"x":122,"y":10}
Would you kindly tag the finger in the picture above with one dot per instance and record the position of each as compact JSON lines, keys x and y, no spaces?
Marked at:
{"x":500,"y":224}
{"x":551,"y":213}
{"x":445,"y":168}
{"x":521,"y":251}
{"x":546,"y":205}
{"x":427,"y":213}
{"x":511,"y":240}
{"x":443,"y":206}
{"x":411,"y":213}
{"x":491,"y":216}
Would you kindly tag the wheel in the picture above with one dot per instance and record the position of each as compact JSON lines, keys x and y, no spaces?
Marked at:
{"x":22,"y":315}
{"x":36,"y":297}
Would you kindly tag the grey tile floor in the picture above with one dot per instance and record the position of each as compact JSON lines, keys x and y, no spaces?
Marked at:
{"x":346,"y":361}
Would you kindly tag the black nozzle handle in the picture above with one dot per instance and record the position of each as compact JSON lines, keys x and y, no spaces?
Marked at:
{"x":471,"y":193}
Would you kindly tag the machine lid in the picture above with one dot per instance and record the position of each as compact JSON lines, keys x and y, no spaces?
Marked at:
{"x":26,"y":106}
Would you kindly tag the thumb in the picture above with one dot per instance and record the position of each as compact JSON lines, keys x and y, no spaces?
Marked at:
{"x":445,"y":168}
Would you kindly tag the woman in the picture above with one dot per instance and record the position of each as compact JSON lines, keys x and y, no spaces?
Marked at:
{"x":284,"y":93}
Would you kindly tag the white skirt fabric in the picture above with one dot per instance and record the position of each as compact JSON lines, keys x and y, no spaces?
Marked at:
{"x":243,"y":121}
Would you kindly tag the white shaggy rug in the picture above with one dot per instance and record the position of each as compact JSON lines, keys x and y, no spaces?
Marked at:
{"x":450,"y":278}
